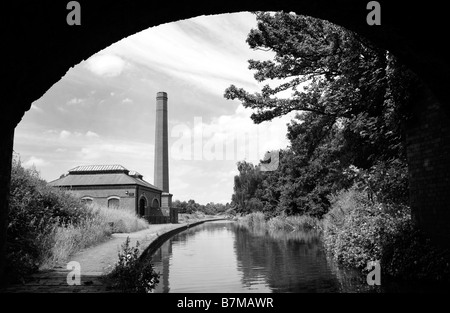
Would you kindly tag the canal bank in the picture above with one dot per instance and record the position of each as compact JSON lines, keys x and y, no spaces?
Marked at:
{"x":228,"y":257}
{"x":99,"y":260}
{"x":224,"y":257}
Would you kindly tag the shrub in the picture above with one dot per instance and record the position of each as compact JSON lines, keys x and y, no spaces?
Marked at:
{"x":356,"y":229}
{"x":29,"y":242}
{"x":131,"y":274}
{"x":46,"y":225}
{"x":31,"y":196}
{"x":35,"y":213}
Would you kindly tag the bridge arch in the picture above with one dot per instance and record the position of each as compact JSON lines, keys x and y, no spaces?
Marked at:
{"x":43,"y":47}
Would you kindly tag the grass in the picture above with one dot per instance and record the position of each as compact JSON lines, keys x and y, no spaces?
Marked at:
{"x":192,"y":217}
{"x":281,"y":222}
{"x":47,"y":225}
{"x":121,"y":220}
{"x":93,"y":230}
{"x":295,"y":222}
{"x":253,"y":220}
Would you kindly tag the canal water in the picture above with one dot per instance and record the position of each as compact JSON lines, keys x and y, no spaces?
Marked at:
{"x":223,"y":256}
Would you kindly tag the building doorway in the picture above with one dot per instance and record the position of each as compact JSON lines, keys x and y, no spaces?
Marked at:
{"x":142,"y":206}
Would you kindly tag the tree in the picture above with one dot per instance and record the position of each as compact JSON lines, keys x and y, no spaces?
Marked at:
{"x":351,"y":98}
{"x":335,"y":74}
{"x":246,"y":186}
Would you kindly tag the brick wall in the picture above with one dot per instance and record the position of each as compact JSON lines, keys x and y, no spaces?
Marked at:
{"x":150,"y":195}
{"x":100,"y":195}
{"x":428,"y":150}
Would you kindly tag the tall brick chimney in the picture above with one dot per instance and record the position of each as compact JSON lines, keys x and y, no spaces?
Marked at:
{"x":161,"y":143}
{"x":162,"y":150}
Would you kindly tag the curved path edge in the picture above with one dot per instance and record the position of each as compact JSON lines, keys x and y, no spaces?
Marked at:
{"x":161,"y":239}
{"x":98,"y":260}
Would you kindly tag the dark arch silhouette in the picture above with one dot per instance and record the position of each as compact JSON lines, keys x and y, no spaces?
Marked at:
{"x":40,"y":47}
{"x":142,"y":206}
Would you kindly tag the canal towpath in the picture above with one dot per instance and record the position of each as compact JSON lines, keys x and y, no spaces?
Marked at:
{"x":96,"y":261}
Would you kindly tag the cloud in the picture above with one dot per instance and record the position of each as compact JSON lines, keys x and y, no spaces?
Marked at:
{"x":108,"y":65}
{"x":194,"y":61}
{"x":208,"y":52}
{"x":74,"y":101}
{"x":127,"y":100}
{"x":113,"y":150}
{"x":91,"y":134}
{"x":64,"y":134}
{"x":50,"y":132}
{"x":34,"y":107}
{"x":237,"y":138}
{"x":34,"y":161}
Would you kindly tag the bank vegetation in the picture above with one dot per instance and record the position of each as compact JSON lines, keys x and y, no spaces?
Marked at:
{"x":346,"y":164}
{"x":47,"y":225}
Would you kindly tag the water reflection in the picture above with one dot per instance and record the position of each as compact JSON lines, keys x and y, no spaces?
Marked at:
{"x":225,"y":257}
{"x":289,"y":262}
{"x":200,"y":259}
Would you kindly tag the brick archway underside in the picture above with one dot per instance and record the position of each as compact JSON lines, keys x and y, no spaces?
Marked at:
{"x":39,"y":47}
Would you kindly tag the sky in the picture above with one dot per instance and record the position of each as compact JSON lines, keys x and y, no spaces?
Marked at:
{"x":103,"y":110}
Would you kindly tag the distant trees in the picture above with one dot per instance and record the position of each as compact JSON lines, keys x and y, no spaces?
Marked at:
{"x":191,"y":206}
{"x":246,"y":188}
{"x":350,"y":97}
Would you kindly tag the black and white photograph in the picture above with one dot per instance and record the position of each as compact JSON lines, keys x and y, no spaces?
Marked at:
{"x":225,"y":153}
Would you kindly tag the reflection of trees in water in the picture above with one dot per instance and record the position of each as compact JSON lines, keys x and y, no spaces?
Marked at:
{"x":350,"y":280}
{"x":290,"y":262}
{"x":355,"y":281}
{"x":284,"y":261}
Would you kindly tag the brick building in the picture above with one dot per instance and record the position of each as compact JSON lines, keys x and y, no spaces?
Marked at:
{"x":115,"y":186}
{"x":112,"y":186}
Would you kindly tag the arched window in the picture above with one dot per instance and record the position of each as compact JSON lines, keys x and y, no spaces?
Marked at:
{"x":113,"y":202}
{"x":87,"y":200}
{"x":155,"y":203}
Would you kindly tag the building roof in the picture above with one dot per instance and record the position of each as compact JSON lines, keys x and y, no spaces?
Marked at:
{"x":101,"y":175}
{"x":85,"y":169}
